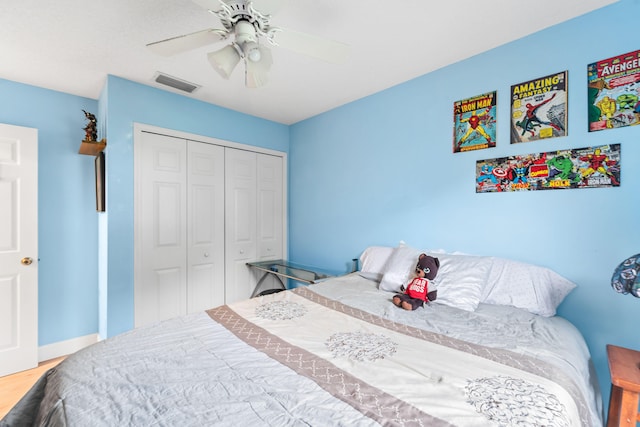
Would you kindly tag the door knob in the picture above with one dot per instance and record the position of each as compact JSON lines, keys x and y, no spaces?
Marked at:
{"x":26,"y":261}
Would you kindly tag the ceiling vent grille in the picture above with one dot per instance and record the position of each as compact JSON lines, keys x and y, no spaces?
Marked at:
{"x":175,"y":83}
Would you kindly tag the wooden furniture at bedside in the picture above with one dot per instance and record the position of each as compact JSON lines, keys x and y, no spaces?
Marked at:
{"x":624,"y":366}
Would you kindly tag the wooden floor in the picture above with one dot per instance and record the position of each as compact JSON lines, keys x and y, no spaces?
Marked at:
{"x":13,"y":387}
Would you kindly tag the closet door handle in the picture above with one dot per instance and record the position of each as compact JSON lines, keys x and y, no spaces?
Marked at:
{"x":26,"y":261}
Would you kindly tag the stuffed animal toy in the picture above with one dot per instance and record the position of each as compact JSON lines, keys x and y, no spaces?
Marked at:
{"x":417,"y":291}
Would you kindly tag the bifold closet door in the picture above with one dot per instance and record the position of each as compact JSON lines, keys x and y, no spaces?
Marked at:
{"x":240,"y":222}
{"x":179,"y":216}
{"x":254,"y":218}
{"x":270,"y":208}
{"x":205,"y":227}
{"x":160,"y":289}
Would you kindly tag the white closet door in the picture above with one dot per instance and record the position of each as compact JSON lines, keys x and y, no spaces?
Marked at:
{"x":202,"y":211}
{"x":205,"y":227}
{"x":240,"y":222}
{"x":270,"y":216}
{"x":161,"y":215}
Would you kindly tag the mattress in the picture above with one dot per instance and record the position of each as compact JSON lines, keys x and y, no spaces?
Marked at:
{"x":330,"y":354}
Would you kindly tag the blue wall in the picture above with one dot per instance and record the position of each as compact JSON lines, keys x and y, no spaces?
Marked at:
{"x":381,"y":170}
{"x":67,"y":219}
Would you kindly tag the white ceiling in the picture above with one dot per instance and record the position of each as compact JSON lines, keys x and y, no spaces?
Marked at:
{"x":72,"y":45}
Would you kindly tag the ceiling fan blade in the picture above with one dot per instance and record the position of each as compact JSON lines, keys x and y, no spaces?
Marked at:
{"x":187,"y":42}
{"x":256,"y":73}
{"x":316,"y":47}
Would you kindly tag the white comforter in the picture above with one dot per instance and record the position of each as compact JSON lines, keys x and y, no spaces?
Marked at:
{"x":553,"y":340}
{"x":298,"y":358}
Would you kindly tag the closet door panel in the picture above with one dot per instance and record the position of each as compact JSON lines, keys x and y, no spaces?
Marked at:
{"x":240,"y":222}
{"x":168,"y":299}
{"x":269,"y":209}
{"x":160,"y":203}
{"x":205,"y":228}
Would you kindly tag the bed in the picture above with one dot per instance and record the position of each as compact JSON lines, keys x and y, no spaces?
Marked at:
{"x":340,"y":353}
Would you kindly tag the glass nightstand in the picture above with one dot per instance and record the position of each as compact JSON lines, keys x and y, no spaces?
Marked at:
{"x":287,"y":270}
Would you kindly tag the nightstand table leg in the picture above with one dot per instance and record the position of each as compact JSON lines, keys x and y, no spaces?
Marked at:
{"x":615,"y":401}
{"x":628,"y":409}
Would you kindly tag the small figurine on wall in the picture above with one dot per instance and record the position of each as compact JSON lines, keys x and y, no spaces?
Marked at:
{"x":91,"y":129}
{"x":90,"y":145}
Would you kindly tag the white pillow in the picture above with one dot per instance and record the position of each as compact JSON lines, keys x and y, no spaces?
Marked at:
{"x":533,"y":288}
{"x":374,"y":258}
{"x":376,"y":277}
{"x":398,"y":268}
{"x":460,"y":279}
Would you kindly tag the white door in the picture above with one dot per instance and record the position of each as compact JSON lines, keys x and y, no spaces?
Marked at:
{"x":18,"y":249}
{"x":270,"y":215}
{"x":240,"y":222}
{"x":179,"y":226}
{"x":160,"y":290}
{"x":205,"y":226}
{"x":203,"y":210}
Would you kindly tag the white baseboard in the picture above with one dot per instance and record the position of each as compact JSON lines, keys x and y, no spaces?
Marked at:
{"x":64,"y":348}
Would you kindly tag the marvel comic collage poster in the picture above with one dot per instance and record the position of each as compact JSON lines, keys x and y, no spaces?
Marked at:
{"x":572,"y":168}
{"x":614,"y":92}
{"x":539,"y":108}
{"x":474,"y":123}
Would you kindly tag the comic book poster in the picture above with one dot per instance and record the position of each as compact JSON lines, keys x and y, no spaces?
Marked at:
{"x":474,"y":123}
{"x":590,"y":167}
{"x":614,"y":92}
{"x":539,"y":108}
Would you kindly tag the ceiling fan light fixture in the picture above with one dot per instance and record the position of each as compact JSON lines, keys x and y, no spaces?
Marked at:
{"x":252,"y":51}
{"x":257,"y":73}
{"x":225,"y":59}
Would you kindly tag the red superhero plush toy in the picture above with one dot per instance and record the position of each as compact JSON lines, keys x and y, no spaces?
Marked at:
{"x":417,"y":291}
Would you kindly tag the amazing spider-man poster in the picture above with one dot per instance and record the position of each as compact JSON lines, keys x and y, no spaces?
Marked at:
{"x":474,"y":123}
{"x":614,"y":92}
{"x":539,"y":108}
{"x":573,"y":168}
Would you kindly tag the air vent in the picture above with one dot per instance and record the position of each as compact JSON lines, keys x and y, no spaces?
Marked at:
{"x":175,"y":83}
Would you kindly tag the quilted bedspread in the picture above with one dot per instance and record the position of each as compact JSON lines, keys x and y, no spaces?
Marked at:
{"x":305,"y":357}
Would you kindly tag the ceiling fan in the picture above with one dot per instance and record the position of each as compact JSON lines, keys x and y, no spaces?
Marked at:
{"x":247,"y":25}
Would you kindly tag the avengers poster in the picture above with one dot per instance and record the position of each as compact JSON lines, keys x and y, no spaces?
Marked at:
{"x":539,"y":108}
{"x":614,"y":92}
{"x":590,"y":167}
{"x":474,"y":123}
